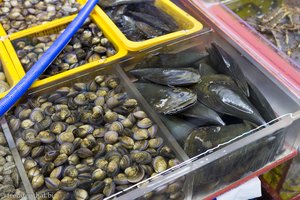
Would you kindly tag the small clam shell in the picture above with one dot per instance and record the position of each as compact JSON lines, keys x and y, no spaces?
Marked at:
{"x":112,"y":82}
{"x":110,"y":117}
{"x":112,"y":102}
{"x":24,"y":114}
{"x":83,"y":131}
{"x":159,"y":164}
{"x":14,"y":124}
{"x":58,"y":127}
{"x":113,"y":168}
{"x":81,"y":194}
{"x":83,"y":168}
{"x":52,"y":183}
{"x":33,"y":142}
{"x":73,"y":159}
{"x":99,"y":79}
{"x":173,"y":162}
{"x":60,"y":195}
{"x":37,"y":115}
{"x":97,"y":187}
{"x":33,"y":172}
{"x":46,"y":137}
{"x":68,"y":184}
{"x":37,"y":182}
{"x":152,"y":131}
{"x":24,"y":149}
{"x":88,"y":161}
{"x":84,"y":176}
{"x":134,"y":174}
{"x":99,"y":149}
{"x":29,"y":164}
{"x":167,"y":152}
{"x":47,"y":169}
{"x":97,"y":197}
{"x":141,"y":157}
{"x":60,"y":159}
{"x":65,"y":137}
{"x":109,"y":189}
{"x":120,"y":179}
{"x":127,"y":142}
{"x":99,"y":175}
{"x":99,"y":132}
{"x":81,"y":99}
{"x":116,"y":126}
{"x":144,"y":123}
{"x":130,"y":103}
{"x":51,"y":155}
{"x":84,"y":153}
{"x":140,"y":134}
{"x":140,"y":114}
{"x":71,"y":171}
{"x":100,"y":101}
{"x":66,"y":148}
{"x":101,"y":164}
{"x":111,"y":137}
{"x":26,"y":124}
{"x":148,"y":169}
{"x":141,"y":145}
{"x":80,"y":86}
{"x":37,"y":151}
{"x":156,"y":142}
{"x":125,"y":162}
{"x":29,"y":134}
{"x":127,"y":123}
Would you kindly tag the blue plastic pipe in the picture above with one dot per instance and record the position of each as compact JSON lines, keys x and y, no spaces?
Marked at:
{"x":46,"y":59}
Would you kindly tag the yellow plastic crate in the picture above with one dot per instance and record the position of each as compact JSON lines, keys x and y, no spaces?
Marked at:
{"x":12,"y":77}
{"x":54,"y":27}
{"x":186,"y":22}
{"x":2,"y":31}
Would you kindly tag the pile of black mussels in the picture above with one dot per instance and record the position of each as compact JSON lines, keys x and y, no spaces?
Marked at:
{"x":139,"y":19}
{"x":210,"y":100}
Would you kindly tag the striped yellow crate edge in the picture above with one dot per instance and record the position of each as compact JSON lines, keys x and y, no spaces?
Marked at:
{"x":187,"y":23}
{"x":2,"y":31}
{"x":58,"y":25}
{"x":8,"y":67}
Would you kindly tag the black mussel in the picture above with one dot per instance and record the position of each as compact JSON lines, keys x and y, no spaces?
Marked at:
{"x":220,"y":93}
{"x":205,"y":138}
{"x":226,"y":65}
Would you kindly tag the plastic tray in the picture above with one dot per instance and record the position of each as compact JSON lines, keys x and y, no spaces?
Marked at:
{"x":85,"y":76}
{"x":10,"y":72}
{"x":187,"y":23}
{"x":287,"y":126}
{"x":54,"y":27}
{"x":261,"y":80}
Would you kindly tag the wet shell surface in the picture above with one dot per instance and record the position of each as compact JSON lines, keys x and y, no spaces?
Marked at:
{"x":18,"y":15}
{"x":82,"y":49}
{"x":84,"y":158}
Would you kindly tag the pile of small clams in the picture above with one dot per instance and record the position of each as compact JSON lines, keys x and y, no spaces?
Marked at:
{"x":10,"y":182}
{"x":89,"y":141}
{"x":17,"y":15}
{"x":3,"y":83}
{"x":87,"y":45}
{"x":140,"y":19}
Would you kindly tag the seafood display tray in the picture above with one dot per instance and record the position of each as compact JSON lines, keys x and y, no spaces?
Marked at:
{"x":255,"y":75}
{"x":286,"y":125}
{"x":85,"y":76}
{"x":53,"y":28}
{"x":11,"y":75}
{"x":187,"y":24}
